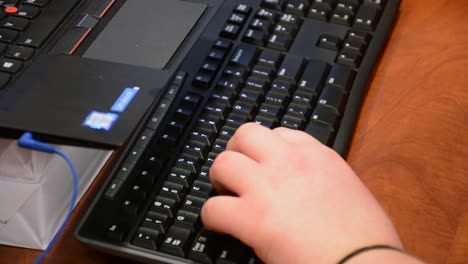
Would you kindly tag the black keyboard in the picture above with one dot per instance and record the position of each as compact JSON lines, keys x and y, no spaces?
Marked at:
{"x":301,"y":64}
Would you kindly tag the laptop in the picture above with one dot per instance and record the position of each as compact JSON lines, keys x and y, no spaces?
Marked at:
{"x":85,"y":72}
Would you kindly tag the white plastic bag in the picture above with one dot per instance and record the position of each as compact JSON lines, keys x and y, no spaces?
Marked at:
{"x":35,"y":190}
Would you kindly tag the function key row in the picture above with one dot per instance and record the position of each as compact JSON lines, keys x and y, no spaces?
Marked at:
{"x":123,"y":174}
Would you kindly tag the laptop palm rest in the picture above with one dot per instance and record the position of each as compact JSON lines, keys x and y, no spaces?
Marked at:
{"x":73,"y":100}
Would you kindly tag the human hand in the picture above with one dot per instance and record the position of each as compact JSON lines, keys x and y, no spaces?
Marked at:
{"x":292,"y":199}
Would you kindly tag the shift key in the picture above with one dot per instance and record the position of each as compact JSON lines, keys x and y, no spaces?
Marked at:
{"x":52,"y":15}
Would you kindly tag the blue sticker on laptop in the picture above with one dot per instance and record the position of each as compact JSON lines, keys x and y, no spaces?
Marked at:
{"x":124,"y":99}
{"x":100,"y":121}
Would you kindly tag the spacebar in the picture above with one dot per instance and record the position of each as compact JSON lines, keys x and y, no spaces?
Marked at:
{"x":41,"y":27}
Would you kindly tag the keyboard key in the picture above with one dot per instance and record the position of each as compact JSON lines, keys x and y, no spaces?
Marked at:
{"x":291,"y":68}
{"x":235,"y":73}
{"x":278,"y":99}
{"x":202,"y":189}
{"x":210,"y":122}
{"x":234,"y":120}
{"x":266,"y":122}
{"x":146,"y":238}
{"x":156,"y":221}
{"x":354,"y":47}
{"x":250,"y":96}
{"x":274,"y":4}
{"x":244,"y":109}
{"x":138,"y":192}
{"x":341,"y":17}
{"x":201,"y":149}
{"x":242,"y":9}
{"x":114,"y":188}
{"x":10,"y":65}
{"x":313,"y":77}
{"x":223,"y":44}
{"x":203,"y":135}
{"x":203,"y":175}
{"x":319,"y":11}
{"x":230,"y":31}
{"x":347,"y":6}
{"x":367,"y":17}
{"x":322,"y":132}
{"x":176,"y":241}
{"x":117,"y":232}
{"x":350,"y":58}
{"x":244,"y":56}
{"x":282,"y":87}
{"x":206,"y":246}
{"x":262,"y":72}
{"x":330,"y":42}
{"x":255,"y":37}
{"x":164,"y":206}
{"x":232,"y":251}
{"x":16,"y":23}
{"x":292,"y":122}
{"x":181,"y":176}
{"x":341,"y":77}
{"x":288,"y":19}
{"x":326,"y":115}
{"x":266,"y":15}
{"x":187,"y":220}
{"x":280,"y":42}
{"x":131,"y":207}
{"x":334,"y":98}
{"x":328,"y":3}
{"x":304,"y":97}
{"x":359,"y":36}
{"x":261,"y":25}
{"x":193,"y":204}
{"x":202,"y":80}
{"x":39,"y":3}
{"x":375,"y":3}
{"x":19,"y":53}
{"x":188,"y":162}
{"x":210,"y":66}
{"x":257,"y":85}
{"x":173,"y":191}
{"x":297,"y":110}
{"x":28,"y":12}
{"x":236,"y":19}
{"x":8,"y":35}
{"x":271,"y":111}
{"x":296,"y":7}
{"x":146,"y":177}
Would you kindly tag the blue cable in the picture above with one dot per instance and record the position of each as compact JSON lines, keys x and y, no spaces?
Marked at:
{"x":27,"y":141}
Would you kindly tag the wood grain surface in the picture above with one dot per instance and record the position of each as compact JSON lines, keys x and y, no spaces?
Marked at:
{"x":410,"y":146}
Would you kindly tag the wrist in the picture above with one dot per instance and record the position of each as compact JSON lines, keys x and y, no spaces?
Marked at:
{"x":381,"y":254}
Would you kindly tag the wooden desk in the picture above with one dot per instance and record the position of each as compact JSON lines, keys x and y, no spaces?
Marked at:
{"x":410,"y":146}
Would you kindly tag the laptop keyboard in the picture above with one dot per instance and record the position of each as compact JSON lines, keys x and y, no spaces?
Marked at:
{"x":25,"y":25}
{"x":301,"y":64}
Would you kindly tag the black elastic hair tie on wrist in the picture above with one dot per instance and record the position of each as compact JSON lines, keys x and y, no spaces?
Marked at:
{"x":364,"y":249}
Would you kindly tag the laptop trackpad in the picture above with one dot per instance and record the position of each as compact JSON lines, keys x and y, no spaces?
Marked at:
{"x":146,"y":32}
